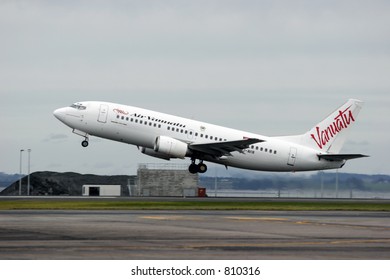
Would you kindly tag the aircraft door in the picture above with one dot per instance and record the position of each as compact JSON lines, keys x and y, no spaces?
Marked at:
{"x":292,"y":156}
{"x":103,"y":112}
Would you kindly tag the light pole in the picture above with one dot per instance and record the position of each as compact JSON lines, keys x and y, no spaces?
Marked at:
{"x":20,"y":173}
{"x":28,"y":172}
{"x":322,"y":183}
{"x":337,"y":183}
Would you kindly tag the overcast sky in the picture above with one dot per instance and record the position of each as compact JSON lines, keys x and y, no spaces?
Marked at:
{"x":269,"y":67}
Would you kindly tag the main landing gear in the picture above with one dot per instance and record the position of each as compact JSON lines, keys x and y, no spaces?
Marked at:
{"x":197,"y":168}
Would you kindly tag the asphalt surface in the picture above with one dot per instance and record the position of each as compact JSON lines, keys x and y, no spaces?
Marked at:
{"x":26,"y":234}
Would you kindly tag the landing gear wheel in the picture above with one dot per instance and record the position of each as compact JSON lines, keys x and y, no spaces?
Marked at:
{"x":202,"y":168}
{"x":193,"y":168}
{"x":197,"y":168}
{"x":84,"y":143}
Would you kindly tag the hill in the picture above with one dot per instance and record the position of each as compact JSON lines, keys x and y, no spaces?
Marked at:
{"x":7,"y":179}
{"x":69,"y":183}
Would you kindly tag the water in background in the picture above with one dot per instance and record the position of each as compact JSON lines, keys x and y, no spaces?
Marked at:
{"x":296,"y":185}
{"x":298,"y":194}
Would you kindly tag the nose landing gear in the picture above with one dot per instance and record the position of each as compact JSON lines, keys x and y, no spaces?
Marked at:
{"x":83,"y":134}
{"x":85,"y":142}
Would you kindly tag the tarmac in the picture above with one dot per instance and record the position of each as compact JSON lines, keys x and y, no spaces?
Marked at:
{"x":185,"y":234}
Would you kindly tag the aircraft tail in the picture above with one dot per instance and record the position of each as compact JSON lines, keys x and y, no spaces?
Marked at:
{"x":330,"y":134}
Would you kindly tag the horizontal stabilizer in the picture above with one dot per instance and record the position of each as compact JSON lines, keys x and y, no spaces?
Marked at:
{"x":340,"y":157}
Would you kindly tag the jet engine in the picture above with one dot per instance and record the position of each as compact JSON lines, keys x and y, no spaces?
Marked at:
{"x":153,"y":153}
{"x":170,"y":147}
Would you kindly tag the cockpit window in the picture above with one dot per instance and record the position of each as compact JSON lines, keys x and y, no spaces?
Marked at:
{"x":78,"y":106}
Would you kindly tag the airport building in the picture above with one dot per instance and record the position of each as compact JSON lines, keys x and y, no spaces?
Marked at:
{"x":166,"y":180}
{"x":101,"y":190}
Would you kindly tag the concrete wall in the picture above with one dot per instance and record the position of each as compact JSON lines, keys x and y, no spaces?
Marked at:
{"x":160,"y":182}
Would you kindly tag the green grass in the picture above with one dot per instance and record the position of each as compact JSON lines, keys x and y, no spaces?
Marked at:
{"x":192,"y":205}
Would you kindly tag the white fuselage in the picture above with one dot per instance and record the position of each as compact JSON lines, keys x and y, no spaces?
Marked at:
{"x":141,"y":127}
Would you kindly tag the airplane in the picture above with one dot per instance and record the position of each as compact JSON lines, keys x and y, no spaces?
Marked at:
{"x":167,"y":137}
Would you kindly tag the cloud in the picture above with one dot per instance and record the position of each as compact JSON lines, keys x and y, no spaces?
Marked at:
{"x":56,"y":137}
{"x":210,"y":44}
{"x":357,"y":143}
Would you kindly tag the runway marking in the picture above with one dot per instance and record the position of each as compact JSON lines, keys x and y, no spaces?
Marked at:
{"x":335,"y":224}
{"x":360,"y":241}
{"x":267,"y":219}
{"x":306,"y":222}
{"x":170,"y":218}
{"x":289,"y":244}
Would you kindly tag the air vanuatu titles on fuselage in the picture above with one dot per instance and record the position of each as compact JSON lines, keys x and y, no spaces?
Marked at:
{"x":154,"y":119}
{"x":341,"y":121}
{"x":149,"y":118}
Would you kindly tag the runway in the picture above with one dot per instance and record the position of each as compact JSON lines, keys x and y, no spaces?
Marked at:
{"x":185,"y":234}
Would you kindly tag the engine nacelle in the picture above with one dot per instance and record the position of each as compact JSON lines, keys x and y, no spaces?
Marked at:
{"x":170,"y":147}
{"x":153,"y":153}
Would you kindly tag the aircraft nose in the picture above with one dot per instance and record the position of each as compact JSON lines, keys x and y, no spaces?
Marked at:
{"x":59,"y":114}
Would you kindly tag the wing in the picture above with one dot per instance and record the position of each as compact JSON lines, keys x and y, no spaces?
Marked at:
{"x":219,"y":149}
{"x":340,"y":157}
